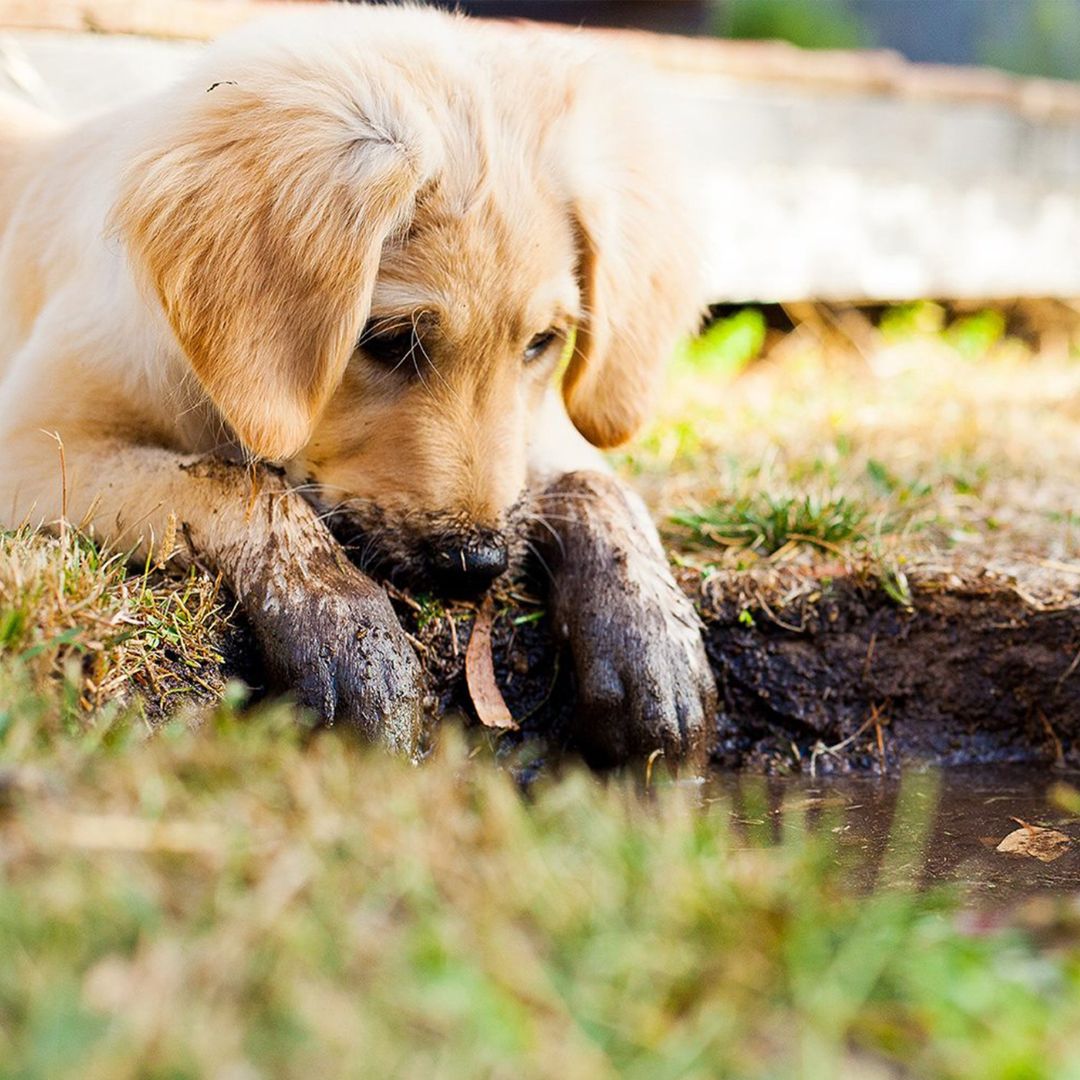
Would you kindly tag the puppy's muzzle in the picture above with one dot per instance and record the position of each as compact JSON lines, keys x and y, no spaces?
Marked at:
{"x":465,"y":566}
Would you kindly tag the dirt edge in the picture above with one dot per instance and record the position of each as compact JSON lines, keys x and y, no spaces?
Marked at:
{"x":834,"y":669}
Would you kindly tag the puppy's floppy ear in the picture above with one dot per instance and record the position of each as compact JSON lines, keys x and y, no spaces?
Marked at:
{"x":259,"y":217}
{"x":639,"y":270}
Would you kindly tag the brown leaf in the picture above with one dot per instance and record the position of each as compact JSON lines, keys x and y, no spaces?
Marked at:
{"x":1046,"y":845}
{"x":480,"y":673}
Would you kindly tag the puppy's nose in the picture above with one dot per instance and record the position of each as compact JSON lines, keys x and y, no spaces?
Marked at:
{"x":467,"y":569}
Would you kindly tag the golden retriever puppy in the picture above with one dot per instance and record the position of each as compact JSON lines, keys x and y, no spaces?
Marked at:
{"x":323,"y":285}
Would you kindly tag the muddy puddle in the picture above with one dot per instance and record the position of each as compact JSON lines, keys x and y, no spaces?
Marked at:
{"x":927,"y":828}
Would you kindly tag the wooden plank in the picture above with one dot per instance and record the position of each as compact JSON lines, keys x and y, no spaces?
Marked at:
{"x":871,"y":71}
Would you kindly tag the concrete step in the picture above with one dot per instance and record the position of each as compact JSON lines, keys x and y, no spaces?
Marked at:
{"x":820,"y":176}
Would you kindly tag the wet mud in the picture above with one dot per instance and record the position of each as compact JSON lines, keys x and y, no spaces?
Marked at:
{"x":817,"y":674}
{"x":834,"y":673}
{"x":937,"y":827}
{"x":823,"y":673}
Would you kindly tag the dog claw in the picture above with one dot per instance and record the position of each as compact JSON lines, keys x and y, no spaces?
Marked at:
{"x":337,"y":645}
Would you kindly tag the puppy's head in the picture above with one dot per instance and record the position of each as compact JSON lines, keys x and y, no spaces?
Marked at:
{"x":376,"y":237}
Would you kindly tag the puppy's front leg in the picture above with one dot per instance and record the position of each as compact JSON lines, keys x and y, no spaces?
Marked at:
{"x":644,"y":681}
{"x":327,"y":631}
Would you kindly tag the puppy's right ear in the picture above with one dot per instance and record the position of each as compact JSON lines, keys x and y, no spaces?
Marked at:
{"x":259,"y":223}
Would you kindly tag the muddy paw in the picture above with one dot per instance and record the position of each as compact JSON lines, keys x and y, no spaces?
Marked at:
{"x":337,"y":646}
{"x":644,"y":681}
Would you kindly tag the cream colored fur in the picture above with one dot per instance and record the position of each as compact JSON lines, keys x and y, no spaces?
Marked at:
{"x":194,"y":270}
{"x":190,"y":274}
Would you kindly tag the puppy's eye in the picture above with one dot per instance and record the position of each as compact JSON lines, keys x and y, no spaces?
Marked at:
{"x":540,"y":344}
{"x":389,"y":348}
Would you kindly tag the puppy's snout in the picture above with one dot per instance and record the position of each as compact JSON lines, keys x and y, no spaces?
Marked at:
{"x":467,"y":567}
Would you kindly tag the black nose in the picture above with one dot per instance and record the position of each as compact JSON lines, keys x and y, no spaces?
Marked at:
{"x":464,"y":569}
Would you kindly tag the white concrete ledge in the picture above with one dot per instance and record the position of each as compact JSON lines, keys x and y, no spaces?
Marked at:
{"x":845,"y":176}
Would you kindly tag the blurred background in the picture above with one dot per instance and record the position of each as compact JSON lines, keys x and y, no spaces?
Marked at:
{"x":1029,"y":37}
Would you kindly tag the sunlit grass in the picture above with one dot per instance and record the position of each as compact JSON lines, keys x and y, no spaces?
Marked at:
{"x":770,"y":523}
{"x":725,"y":348}
{"x":947,"y":435}
{"x":66,"y":604}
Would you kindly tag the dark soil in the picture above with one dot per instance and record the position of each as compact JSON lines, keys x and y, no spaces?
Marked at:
{"x":818,"y":672}
{"x":972,"y":672}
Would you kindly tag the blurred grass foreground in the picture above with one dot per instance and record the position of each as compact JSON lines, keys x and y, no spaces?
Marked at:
{"x":233,"y":900}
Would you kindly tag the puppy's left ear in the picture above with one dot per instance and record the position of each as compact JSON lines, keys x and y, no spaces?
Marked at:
{"x":639,"y":270}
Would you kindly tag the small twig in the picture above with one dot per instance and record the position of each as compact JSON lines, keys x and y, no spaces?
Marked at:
{"x":869,"y":656}
{"x":1035,"y":603}
{"x":1055,"y":564}
{"x":407,"y":600}
{"x":880,"y":738}
{"x":168,"y":542}
{"x":1059,"y":750}
{"x":777,"y":620}
{"x":832,"y":751}
{"x":825,"y":545}
{"x":63,"y":483}
{"x":1068,"y":671}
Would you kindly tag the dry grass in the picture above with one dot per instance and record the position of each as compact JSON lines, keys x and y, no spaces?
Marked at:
{"x":937,"y":440}
{"x":66,"y":607}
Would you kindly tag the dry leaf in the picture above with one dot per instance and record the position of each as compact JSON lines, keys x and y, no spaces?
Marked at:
{"x":480,"y":673}
{"x":1046,"y":845}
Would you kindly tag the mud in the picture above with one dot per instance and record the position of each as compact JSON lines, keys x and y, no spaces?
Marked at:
{"x":832,"y":673}
{"x":929,"y":829}
{"x":825,"y":673}
{"x":819,"y":673}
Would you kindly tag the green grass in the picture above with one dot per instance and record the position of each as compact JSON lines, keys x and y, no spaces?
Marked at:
{"x":242,"y":900}
{"x":768,"y":523}
{"x":66,"y":605}
{"x":725,"y":348}
{"x":918,"y":431}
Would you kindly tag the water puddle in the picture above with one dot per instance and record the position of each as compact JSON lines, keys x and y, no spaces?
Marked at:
{"x":947,"y":829}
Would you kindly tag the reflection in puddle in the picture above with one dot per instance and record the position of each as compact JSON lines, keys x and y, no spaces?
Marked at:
{"x":947,"y":829}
